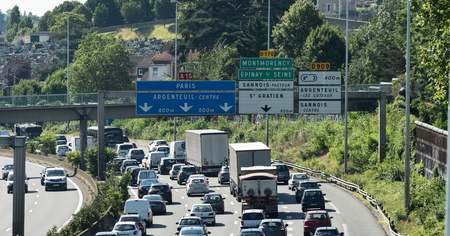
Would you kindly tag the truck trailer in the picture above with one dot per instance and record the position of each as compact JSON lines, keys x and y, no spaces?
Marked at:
{"x":206,"y":149}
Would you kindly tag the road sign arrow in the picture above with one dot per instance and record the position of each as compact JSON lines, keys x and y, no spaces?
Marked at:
{"x":225,"y":107}
{"x":185,"y":107}
{"x":146,"y":107}
{"x":266,"y":108}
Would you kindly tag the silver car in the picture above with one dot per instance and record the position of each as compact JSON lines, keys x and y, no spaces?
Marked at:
{"x":6,"y":169}
{"x":197,"y":186}
{"x":173,"y":173}
{"x":251,"y":218}
{"x":205,"y":212}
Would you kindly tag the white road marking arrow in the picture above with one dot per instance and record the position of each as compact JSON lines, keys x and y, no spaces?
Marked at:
{"x":225,"y":107}
{"x":185,"y":107}
{"x":146,"y":107}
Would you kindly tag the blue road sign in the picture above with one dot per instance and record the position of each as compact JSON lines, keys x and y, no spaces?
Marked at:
{"x":185,"y":98}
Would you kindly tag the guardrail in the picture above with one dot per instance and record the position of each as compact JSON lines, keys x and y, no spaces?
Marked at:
{"x":352,"y":187}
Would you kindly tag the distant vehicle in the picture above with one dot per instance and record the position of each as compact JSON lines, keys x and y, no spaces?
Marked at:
{"x":314,"y":220}
{"x":295,"y":179}
{"x":185,"y":172}
{"x":163,"y":189}
{"x":224,"y":175}
{"x":10,"y":183}
{"x":117,"y":163}
{"x":152,"y":159}
{"x":145,"y":185}
{"x":158,"y":207}
{"x":6,"y":169}
{"x":75,"y":143}
{"x":140,"y":207}
{"x":28,"y":130}
{"x":136,"y":154}
{"x":252,"y":232}
{"x":206,"y":149}
{"x":197,"y":176}
{"x":60,"y":137}
{"x":134,"y":175}
{"x":122,"y":149}
{"x":62,"y":150}
{"x":127,"y":228}
{"x":173,"y":173}
{"x":165,"y":165}
{"x":4,"y":134}
{"x":146,"y":174}
{"x":205,"y":212}
{"x":129,"y":169}
{"x":282,"y":172}
{"x":177,"y":150}
{"x":162,"y":148}
{"x":135,"y":218}
{"x":113,"y":135}
{"x":197,"y":186}
{"x":273,"y":227}
{"x":328,"y":231}
{"x":251,"y":218}
{"x":60,"y":142}
{"x":304,"y":185}
{"x":216,"y":201}
{"x":55,"y":178}
{"x":43,"y":174}
{"x":313,"y":199}
{"x":153,"y":144}
{"x":190,"y":221}
{"x":193,"y":231}
{"x":127,"y":162}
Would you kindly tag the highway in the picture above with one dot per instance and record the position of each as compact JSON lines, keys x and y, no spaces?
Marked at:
{"x":43,"y":210}
{"x":349,"y":214}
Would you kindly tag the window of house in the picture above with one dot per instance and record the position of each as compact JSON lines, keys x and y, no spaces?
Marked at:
{"x":140,"y":71}
{"x":155,"y":71}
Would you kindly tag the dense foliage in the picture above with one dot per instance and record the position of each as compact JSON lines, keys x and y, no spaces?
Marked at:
{"x":26,"y":87}
{"x":56,"y":83}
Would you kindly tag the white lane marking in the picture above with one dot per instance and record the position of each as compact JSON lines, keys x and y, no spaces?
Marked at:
{"x":176,"y":190}
{"x":235,"y":212}
{"x":290,"y":223}
{"x":290,"y":235}
{"x":80,"y":203}
{"x":231,"y":234}
{"x":182,"y":197}
{"x":30,"y":211}
{"x":37,"y":195}
{"x":232,"y":203}
{"x":8,"y":229}
{"x":35,"y":203}
{"x":345,"y":229}
{"x":335,"y":208}
{"x":34,"y":184}
{"x":235,"y":222}
{"x":225,"y":195}
{"x":186,"y":205}
{"x":290,"y":229}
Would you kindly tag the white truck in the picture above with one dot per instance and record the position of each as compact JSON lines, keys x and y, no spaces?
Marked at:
{"x":252,"y":180}
{"x":177,"y":150}
{"x":74,"y":143}
{"x":206,"y":149}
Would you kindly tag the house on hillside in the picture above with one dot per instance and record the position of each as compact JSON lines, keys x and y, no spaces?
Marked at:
{"x":336,"y":8}
{"x":38,"y":37}
{"x":156,"y":67}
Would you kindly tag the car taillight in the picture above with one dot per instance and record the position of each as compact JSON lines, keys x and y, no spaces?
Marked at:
{"x":307,"y":223}
{"x":242,"y":223}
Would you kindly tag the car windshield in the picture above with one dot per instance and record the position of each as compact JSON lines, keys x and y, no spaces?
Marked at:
{"x":192,"y":232}
{"x":202,"y":208}
{"x":51,"y":173}
{"x":156,"y":203}
{"x":138,"y":152}
{"x":153,"y":197}
{"x":272,"y":225}
{"x":213,"y":198}
{"x":163,"y":149}
{"x":129,"y":218}
{"x":300,"y":176}
{"x":252,"y":233}
{"x":161,"y":142}
{"x":309,"y":185}
{"x":125,"y":147}
{"x":313,"y":194}
{"x":327,"y":232}
{"x":189,"y":169}
{"x":162,"y":188}
{"x":253,"y":216}
{"x":177,"y":167}
{"x":124,"y":227}
{"x":282,"y":168}
{"x":130,"y":163}
{"x":198,"y":181}
{"x":190,"y":222}
{"x":317,"y":216}
{"x":8,"y":167}
{"x":147,"y":175}
{"x":148,"y":182}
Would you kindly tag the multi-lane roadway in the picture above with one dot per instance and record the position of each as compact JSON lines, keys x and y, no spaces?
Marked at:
{"x":349,"y":214}
{"x":43,"y":210}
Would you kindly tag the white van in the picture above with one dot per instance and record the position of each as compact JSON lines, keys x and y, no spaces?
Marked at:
{"x":74,"y":143}
{"x":152,"y":160}
{"x":177,"y":150}
{"x":140,"y":207}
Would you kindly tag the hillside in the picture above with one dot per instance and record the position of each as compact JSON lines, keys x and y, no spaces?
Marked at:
{"x":163,"y":30}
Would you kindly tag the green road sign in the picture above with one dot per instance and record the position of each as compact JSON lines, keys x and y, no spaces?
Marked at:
{"x":266,"y":74}
{"x":255,"y":62}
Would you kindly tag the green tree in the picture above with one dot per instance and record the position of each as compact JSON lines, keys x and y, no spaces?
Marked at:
{"x":101,"y":16}
{"x":164,"y":9}
{"x":325,"y":44}
{"x":132,"y":11}
{"x":114,"y":16}
{"x":56,"y":83}
{"x":101,"y":62}
{"x":26,"y":87}
{"x":12,"y":25}
{"x":290,"y":33}
{"x":44,"y":21}
{"x":78,"y":26}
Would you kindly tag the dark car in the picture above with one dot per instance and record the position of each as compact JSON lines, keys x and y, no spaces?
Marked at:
{"x":313,"y":199}
{"x":216,"y":200}
{"x":184,"y":173}
{"x":273,"y":227}
{"x":162,"y":189}
{"x":158,"y":207}
{"x":302,"y":186}
{"x":6,"y":169}
{"x":145,"y":185}
{"x":282,"y":172}
{"x":165,"y":165}
{"x":126,"y":163}
{"x":134,"y":175}
{"x":314,"y":220}
{"x":224,"y":175}
{"x":117,"y":163}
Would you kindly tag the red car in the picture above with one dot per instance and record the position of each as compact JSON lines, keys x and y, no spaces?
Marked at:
{"x":315,"y":219}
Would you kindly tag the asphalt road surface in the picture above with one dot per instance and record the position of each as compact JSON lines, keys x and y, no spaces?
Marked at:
{"x":349,"y":214}
{"x":43,"y":210}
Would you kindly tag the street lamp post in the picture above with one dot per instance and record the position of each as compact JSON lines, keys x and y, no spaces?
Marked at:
{"x":268,"y":48}
{"x":175,"y":63}
{"x":67,"y":57}
{"x":346,"y":91}
{"x":407,"y":103}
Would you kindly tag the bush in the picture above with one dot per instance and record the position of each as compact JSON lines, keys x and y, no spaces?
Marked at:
{"x":74,"y":158}
{"x":91,"y":157}
{"x":47,"y":142}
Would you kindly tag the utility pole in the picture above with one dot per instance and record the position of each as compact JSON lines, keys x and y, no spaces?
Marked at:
{"x":407,"y":104}
{"x":176,"y":63}
{"x":346,"y":91}
{"x":268,"y":48}
{"x":68,"y":57}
